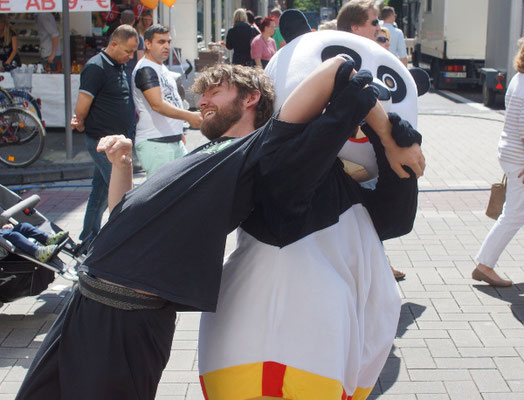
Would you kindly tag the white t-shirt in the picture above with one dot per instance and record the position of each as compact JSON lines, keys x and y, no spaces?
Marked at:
{"x":47,"y":30}
{"x":151,"y":124}
{"x":397,"y":43}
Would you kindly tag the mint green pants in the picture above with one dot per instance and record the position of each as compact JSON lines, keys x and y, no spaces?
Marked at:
{"x":153,"y":155}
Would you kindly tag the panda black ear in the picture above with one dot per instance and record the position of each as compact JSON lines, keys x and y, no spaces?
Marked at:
{"x":421,"y":78}
{"x":293,"y":23}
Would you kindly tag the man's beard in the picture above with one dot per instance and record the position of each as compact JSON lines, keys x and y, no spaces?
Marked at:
{"x":223,"y":119}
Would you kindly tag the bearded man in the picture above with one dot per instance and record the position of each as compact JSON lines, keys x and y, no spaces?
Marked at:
{"x":162,"y":249}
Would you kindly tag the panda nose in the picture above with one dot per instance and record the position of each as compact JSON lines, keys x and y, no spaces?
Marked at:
{"x":383,"y":93}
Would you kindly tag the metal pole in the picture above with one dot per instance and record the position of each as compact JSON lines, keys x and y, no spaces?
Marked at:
{"x":170,"y":16}
{"x":228,"y":13}
{"x":218,"y":20}
{"x":66,"y":63}
{"x":207,"y":22}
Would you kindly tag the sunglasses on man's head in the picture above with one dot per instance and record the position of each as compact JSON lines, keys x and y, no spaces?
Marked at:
{"x":374,"y":22}
{"x":382,"y":39}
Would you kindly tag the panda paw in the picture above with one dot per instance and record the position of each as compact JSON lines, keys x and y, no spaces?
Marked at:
{"x":342,"y":76}
{"x":402,"y":131}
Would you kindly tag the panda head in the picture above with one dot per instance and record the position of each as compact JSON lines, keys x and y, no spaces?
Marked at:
{"x":305,"y":51}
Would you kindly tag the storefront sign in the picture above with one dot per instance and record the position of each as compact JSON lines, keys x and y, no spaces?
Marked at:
{"x":32,"y":6}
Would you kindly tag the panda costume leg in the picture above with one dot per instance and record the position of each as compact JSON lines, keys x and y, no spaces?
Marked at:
{"x":313,"y":320}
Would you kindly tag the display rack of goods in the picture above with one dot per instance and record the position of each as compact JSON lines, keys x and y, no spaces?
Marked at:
{"x":28,"y":41}
{"x":78,"y":49}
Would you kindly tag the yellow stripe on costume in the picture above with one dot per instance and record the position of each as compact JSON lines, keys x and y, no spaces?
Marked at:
{"x":234,"y":383}
{"x":302,"y":385}
{"x":247,"y":382}
{"x":361,"y":394}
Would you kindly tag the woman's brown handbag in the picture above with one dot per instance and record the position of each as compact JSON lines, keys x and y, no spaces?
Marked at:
{"x":497,"y":198}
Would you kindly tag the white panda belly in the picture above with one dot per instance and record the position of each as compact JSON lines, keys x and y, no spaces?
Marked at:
{"x":326,"y":304}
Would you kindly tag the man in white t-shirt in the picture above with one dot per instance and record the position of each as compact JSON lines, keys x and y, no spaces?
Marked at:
{"x":50,"y":49}
{"x":397,"y":43}
{"x":159,"y":133}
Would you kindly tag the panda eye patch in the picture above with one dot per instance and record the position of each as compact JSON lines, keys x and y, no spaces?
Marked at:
{"x":333,"y":51}
{"x":393,"y":82}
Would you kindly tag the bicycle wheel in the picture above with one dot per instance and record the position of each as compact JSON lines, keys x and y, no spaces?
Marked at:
{"x":5,"y":99}
{"x":22,"y":137}
{"x":21,"y":98}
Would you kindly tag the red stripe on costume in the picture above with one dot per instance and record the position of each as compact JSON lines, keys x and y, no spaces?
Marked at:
{"x":359,"y":140}
{"x":272,"y":379}
{"x":345,"y":396}
{"x":203,"y":387}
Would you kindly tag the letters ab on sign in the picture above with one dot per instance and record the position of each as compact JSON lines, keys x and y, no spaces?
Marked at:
{"x":32,"y":6}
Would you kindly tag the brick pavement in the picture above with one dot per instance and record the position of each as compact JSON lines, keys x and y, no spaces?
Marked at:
{"x":456,"y":339}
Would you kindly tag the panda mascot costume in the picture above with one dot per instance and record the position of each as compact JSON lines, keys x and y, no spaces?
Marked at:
{"x":312,"y":315}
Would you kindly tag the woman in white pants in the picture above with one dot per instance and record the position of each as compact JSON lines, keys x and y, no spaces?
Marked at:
{"x":511,"y":158}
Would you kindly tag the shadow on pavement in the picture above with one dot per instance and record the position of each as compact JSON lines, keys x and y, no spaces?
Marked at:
{"x":408,"y":316}
{"x":513,"y":295}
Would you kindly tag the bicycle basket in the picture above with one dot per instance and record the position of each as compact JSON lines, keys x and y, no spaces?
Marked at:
{"x":22,"y":78}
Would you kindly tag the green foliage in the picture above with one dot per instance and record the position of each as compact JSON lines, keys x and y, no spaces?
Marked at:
{"x":306,"y":5}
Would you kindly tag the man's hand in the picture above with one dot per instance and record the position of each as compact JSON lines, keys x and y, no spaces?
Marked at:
{"x":195,"y":119}
{"x":117,"y":148}
{"x":77,"y":123}
{"x":411,"y":157}
{"x":51,"y":59}
{"x":8,"y":226}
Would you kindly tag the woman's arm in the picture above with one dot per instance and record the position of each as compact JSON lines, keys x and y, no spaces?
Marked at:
{"x":14,"y":44}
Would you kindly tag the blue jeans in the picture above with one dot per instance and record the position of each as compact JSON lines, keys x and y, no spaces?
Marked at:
{"x":97,"y":202}
{"x":19,"y":234}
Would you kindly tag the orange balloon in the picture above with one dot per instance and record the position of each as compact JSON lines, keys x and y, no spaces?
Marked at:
{"x":168,"y":3}
{"x":150,"y":3}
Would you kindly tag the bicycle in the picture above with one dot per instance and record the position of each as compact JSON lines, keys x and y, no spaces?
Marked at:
{"x":20,"y":98}
{"x":22,"y":137}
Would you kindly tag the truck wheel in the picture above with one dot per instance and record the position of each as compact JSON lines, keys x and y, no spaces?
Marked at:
{"x":488,"y":96}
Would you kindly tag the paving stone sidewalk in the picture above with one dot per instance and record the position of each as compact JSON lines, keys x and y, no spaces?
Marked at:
{"x":456,"y":339}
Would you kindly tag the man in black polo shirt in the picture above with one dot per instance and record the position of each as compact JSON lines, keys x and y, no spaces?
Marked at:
{"x":103,"y":108}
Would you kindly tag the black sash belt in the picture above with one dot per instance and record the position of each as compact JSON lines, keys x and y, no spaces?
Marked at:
{"x":167,"y":139}
{"x":116,"y":296}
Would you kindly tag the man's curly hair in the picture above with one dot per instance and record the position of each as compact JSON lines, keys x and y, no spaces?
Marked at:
{"x":246,"y":80}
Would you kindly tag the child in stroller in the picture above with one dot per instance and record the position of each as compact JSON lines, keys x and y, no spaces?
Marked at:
{"x":28,"y":271}
{"x":20,"y":234}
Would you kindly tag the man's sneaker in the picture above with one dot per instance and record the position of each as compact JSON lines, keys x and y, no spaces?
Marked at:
{"x":57,"y":238}
{"x":45,"y":253}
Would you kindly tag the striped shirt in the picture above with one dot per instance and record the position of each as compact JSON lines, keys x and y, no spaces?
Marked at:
{"x":511,"y":145}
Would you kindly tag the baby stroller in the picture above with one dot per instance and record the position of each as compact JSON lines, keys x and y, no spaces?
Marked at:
{"x":21,"y":274}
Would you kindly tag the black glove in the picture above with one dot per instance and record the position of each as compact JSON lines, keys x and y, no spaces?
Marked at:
{"x":352,"y":99}
{"x":402,"y":131}
{"x":342,"y":75}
